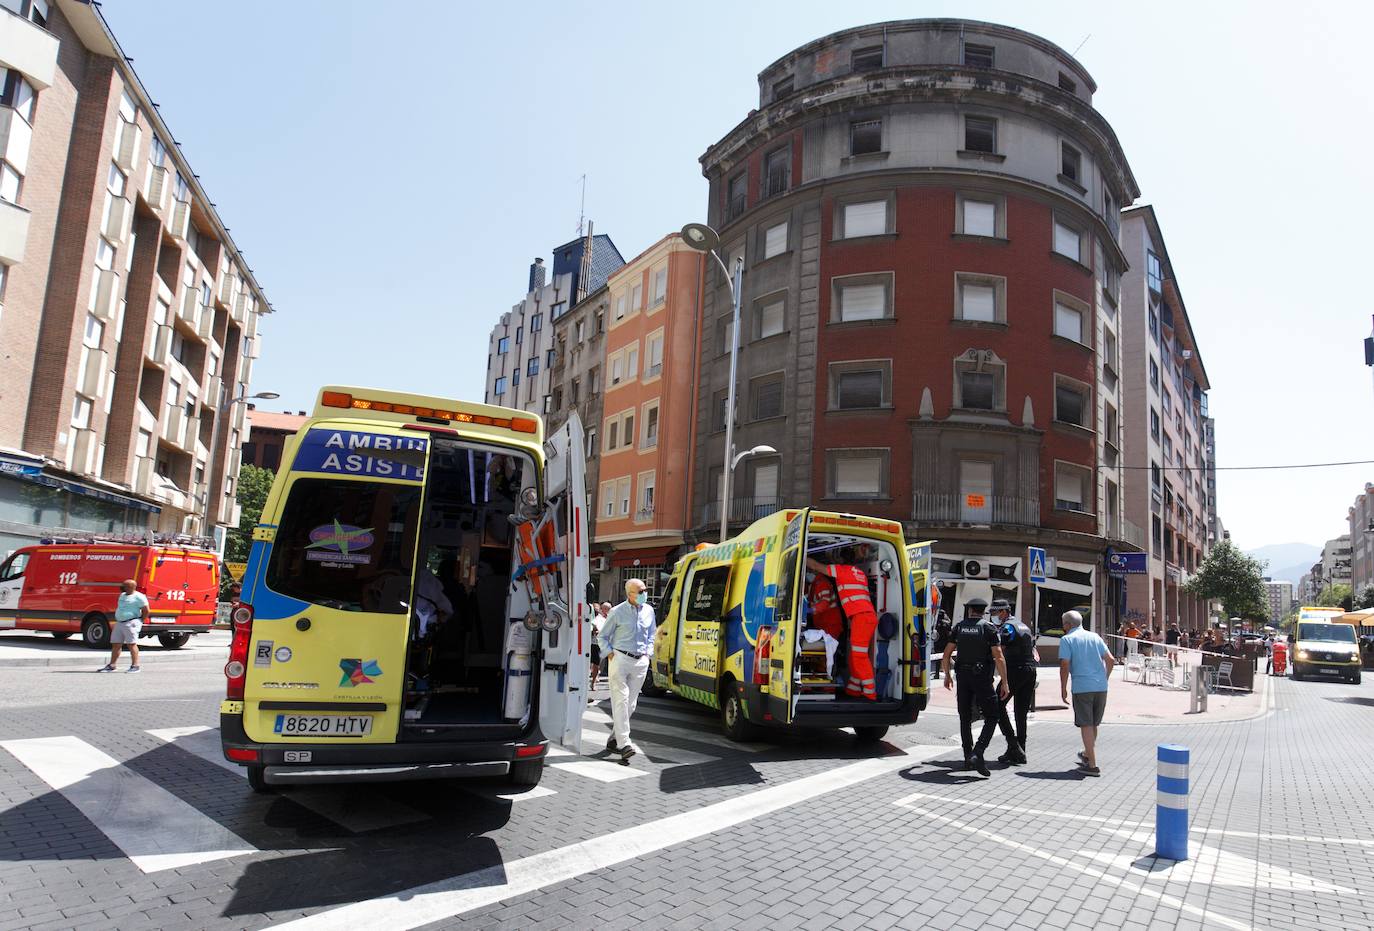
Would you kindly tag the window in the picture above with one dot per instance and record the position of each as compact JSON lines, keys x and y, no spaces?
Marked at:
{"x":977,"y":390}
{"x":857,"y":473}
{"x":651,"y":426}
{"x":627,"y":430}
{"x":574,"y":391}
{"x":500,"y":389}
{"x":653,"y":365}
{"x":1068,"y":241}
{"x":1154,"y":375}
{"x":1067,"y":83}
{"x":519,"y":335}
{"x":1168,"y":402}
{"x":580,"y":331}
{"x":977,"y":217}
{"x":617,"y":369}
{"x":536,"y":323}
{"x":719,"y":404}
{"x":1168,"y":448}
{"x":81,"y":413}
{"x":865,"y":137}
{"x":35,"y":10}
{"x":558,"y":309}
{"x":1070,"y":487}
{"x":979,"y":56}
{"x":861,"y":298}
{"x":1070,"y":402}
{"x":95,"y":332}
{"x":1154,"y":272}
{"x":594,"y":380}
{"x":775,"y":240}
{"x":777,"y":171}
{"x":622,"y":493}
{"x":659,"y":294}
{"x":725,"y":334}
{"x":1154,"y":325}
{"x":115,"y":181}
{"x":737,"y":195}
{"x":782,"y":88}
{"x":104,"y":254}
{"x":1109,"y":351}
{"x":591,"y":443}
{"x":980,"y":134}
{"x":980,"y":380}
{"x":863,"y":219}
{"x":348,"y":575}
{"x":1109,"y":425}
{"x":765,"y":396}
{"x":860,"y":385}
{"x":503,"y":345}
{"x":182,"y":191}
{"x":706,"y":593}
{"x":769,"y":317}
{"x":515,"y":379}
{"x":600,"y":323}
{"x":1068,"y":322}
{"x":975,"y":491}
{"x":636,"y":297}
{"x":18,"y":94}
{"x":620,"y":306}
{"x":1070,"y":163}
{"x":646,"y":496}
{"x":608,"y":499}
{"x":157,"y":152}
{"x":612,"y":434}
{"x":549,"y":358}
{"x":632,"y":362}
{"x":979,"y":299}
{"x":1155,"y":475}
{"x":867,"y":58}
{"x":9,"y":183}
{"x":1111,"y":284}
{"x":532,"y":366}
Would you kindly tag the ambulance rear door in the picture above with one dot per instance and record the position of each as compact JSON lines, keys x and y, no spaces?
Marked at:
{"x":784,"y":671}
{"x":566,"y":651}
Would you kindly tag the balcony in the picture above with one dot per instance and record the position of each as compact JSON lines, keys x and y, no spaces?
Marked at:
{"x":14,"y":232}
{"x":15,"y":138}
{"x":143,"y":476}
{"x":29,"y":48}
{"x":181,"y":219}
{"x":644,"y":515}
{"x":84,"y":451}
{"x":93,"y":376}
{"x":1000,"y":510}
{"x":159,"y":348}
{"x":225,"y":293}
{"x":159,"y":192}
{"x":119,"y":217}
{"x":742,"y":510}
{"x":174,"y":426}
{"x":205,"y":329}
{"x":189,"y":309}
{"x":239,"y":311}
{"x":106,"y":294}
{"x":127,"y":145}
{"x":1127,"y":532}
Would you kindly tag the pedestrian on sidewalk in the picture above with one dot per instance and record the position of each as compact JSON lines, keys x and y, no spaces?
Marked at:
{"x":598,"y":621}
{"x":627,"y":637}
{"x":131,"y":612}
{"x":1018,"y":649}
{"x":1085,"y":659}
{"x":979,"y":648}
{"x":942,"y":630}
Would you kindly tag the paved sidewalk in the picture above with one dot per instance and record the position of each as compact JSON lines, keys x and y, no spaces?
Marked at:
{"x":1129,"y":702}
{"x":32,"y":648}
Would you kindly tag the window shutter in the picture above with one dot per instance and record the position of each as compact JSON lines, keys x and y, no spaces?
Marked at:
{"x":980,"y":218}
{"x":979,"y":302}
{"x":859,"y":476}
{"x":863,"y":302}
{"x":866,"y":219}
{"x":775,"y":241}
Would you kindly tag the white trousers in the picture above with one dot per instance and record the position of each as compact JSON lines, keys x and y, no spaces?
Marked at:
{"x":625,"y":679}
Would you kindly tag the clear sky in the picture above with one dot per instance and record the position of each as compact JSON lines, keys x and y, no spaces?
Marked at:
{"x":390,"y":170}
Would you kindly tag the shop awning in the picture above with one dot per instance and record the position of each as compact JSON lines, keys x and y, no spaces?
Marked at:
{"x":650,"y":556}
{"x":15,"y":467}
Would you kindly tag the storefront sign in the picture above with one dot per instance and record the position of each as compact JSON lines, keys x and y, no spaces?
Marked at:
{"x":1128,"y":563}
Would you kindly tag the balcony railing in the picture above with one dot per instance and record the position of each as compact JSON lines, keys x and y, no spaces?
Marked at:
{"x":1128,"y":532}
{"x":742,"y":510}
{"x":948,"y":508}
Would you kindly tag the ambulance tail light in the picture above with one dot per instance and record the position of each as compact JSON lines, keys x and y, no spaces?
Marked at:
{"x":762,"y":655}
{"x":236,"y":670}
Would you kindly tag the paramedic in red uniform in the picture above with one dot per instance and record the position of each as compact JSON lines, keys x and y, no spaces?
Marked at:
{"x":848,"y":585}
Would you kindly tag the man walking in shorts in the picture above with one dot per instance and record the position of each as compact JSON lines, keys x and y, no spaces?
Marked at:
{"x":1084,"y":658}
{"x":130,"y":614}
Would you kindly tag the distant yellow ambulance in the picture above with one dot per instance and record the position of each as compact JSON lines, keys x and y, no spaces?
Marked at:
{"x":1324,"y":646}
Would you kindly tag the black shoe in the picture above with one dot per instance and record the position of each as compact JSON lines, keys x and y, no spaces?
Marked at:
{"x":610,"y":744}
{"x":980,"y":766}
{"x":1013,"y":757}
{"x":968,"y":764}
{"x":625,"y":755}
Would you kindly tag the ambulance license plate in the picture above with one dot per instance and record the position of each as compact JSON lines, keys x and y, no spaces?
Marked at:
{"x":323,"y":725}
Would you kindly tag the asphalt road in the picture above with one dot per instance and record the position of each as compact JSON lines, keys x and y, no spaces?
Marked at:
{"x":115,"y":811}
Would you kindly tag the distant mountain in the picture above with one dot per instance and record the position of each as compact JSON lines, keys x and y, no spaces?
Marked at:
{"x":1287,"y":561}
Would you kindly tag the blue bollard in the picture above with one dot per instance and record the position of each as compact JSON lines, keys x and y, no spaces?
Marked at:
{"x":1171,"y":803}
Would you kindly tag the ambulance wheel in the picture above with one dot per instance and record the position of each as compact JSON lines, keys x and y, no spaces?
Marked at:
{"x":62,"y":634}
{"x":95,"y":631}
{"x":870,"y":735}
{"x":257,"y":780}
{"x":173,"y":641}
{"x":649,"y":689}
{"x":1355,"y":679}
{"x":527,"y":773}
{"x":732,"y":717}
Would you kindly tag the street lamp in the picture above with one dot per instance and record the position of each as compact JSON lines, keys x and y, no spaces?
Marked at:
{"x":220,"y":411}
{"x":702,"y":238}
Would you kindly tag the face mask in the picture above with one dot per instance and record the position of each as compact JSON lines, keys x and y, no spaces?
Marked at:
{"x":633,"y":598}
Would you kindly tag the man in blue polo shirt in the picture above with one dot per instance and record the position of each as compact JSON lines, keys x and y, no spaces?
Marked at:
{"x":1085,"y":658}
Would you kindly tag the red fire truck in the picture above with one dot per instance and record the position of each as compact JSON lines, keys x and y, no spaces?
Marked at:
{"x":69,"y":588}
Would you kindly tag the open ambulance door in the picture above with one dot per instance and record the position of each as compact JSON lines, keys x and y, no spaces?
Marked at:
{"x":920,"y":633}
{"x":784,"y":671}
{"x":566,"y":649}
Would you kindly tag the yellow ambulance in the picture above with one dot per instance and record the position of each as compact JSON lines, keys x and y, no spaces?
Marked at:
{"x":734,"y":631}
{"x":414,"y":604}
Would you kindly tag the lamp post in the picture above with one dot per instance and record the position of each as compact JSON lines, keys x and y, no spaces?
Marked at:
{"x":702,"y":238}
{"x":220,"y":411}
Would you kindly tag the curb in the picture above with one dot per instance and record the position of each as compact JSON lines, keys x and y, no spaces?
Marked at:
{"x":162,"y":656}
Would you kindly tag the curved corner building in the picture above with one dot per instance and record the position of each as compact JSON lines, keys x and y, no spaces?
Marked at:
{"x":928,"y":211}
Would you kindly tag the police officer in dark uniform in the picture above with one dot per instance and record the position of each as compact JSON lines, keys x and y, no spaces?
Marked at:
{"x":979,"y":649}
{"x":1018,"y":648}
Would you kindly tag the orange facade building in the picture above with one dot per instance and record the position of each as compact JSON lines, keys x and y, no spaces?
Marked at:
{"x":642,"y":500}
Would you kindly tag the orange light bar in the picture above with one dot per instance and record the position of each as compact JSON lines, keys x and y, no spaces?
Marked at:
{"x":343,"y":399}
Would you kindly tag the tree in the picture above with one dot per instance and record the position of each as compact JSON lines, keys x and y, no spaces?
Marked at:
{"x":1366,"y":599}
{"x":1335,"y":596}
{"x":1234,"y":578}
{"x":254,"y":484}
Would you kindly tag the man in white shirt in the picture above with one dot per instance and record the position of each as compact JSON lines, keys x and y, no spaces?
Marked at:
{"x":627,"y":638}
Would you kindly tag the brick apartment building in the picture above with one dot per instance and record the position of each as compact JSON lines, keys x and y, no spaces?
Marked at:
{"x":129,"y":316}
{"x":267,"y":434}
{"x":928,"y":212}
{"x":1360,"y":518}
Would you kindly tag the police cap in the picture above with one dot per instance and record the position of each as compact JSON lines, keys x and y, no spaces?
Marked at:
{"x":1001,"y":604}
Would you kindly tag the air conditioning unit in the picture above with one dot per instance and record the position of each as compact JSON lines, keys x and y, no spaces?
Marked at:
{"x":599,"y":564}
{"x":973,"y":569}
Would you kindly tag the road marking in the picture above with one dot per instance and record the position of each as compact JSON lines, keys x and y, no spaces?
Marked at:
{"x":1122,"y":882}
{"x":154,"y":828}
{"x":655,"y":754}
{"x":353,"y":808}
{"x":600,"y":770}
{"x":446,"y":898}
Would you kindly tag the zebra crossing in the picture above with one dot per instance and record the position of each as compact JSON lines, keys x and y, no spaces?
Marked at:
{"x":159,"y":831}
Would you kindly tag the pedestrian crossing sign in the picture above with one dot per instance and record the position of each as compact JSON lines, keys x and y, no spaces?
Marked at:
{"x":1035,"y":555}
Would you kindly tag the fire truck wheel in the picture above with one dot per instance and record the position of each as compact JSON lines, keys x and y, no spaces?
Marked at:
{"x":95,"y":630}
{"x":62,"y":634}
{"x":173,"y":641}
